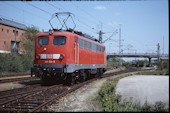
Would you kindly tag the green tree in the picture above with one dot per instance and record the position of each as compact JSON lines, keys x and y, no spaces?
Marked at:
{"x":28,"y":41}
{"x":29,"y":45}
{"x":114,"y":62}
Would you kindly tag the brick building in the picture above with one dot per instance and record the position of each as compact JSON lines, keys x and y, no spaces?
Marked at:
{"x":11,"y":35}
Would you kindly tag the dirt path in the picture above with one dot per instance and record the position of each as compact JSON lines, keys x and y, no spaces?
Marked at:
{"x":84,"y":99}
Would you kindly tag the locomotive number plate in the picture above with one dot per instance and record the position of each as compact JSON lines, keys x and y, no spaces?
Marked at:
{"x":49,"y":61}
{"x":49,"y":56}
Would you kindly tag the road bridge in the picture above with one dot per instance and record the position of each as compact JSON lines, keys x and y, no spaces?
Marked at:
{"x":141,"y":55}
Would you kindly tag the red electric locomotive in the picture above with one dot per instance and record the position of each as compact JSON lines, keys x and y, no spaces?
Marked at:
{"x":68,"y":56}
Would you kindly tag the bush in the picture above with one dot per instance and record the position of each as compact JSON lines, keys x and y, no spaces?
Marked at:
{"x":112,"y":102}
{"x":158,"y":107}
{"x":10,"y":63}
{"x":15,"y":63}
{"x":27,"y":61}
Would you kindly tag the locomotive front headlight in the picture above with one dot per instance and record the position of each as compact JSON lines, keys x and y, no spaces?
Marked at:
{"x":61,"y":57}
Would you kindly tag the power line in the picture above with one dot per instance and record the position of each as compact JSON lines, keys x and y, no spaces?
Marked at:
{"x":39,"y":8}
{"x":62,"y":7}
{"x":113,"y":33}
{"x":90,"y":28}
{"x":94,"y":20}
{"x":84,"y":10}
{"x":26,"y":10}
{"x":79,"y":20}
{"x":53,"y":5}
{"x":41,"y":17}
{"x":19,"y":10}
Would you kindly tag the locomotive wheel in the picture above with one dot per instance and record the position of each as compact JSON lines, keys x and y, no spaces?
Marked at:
{"x":83,"y":76}
{"x":70,"y":79}
{"x":88,"y":75}
{"x":100,"y":73}
{"x":50,"y":80}
{"x":45,"y":80}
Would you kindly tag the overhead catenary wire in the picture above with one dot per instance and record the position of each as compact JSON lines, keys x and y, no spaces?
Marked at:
{"x":85,"y":12}
{"x":94,"y":18}
{"x":39,"y":8}
{"x":91,"y":16}
{"x":11,"y":5}
{"x":75,"y":16}
{"x":83,"y":23}
{"x":26,"y":10}
{"x":61,"y":9}
{"x":53,"y":5}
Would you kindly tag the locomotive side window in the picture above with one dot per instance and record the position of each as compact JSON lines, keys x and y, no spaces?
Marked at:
{"x":42,"y":40}
{"x":81,"y":43}
{"x":90,"y":46}
{"x":94,"y":47}
{"x":59,"y":40}
{"x":85,"y":44}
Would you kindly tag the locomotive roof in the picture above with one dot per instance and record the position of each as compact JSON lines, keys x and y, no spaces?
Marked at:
{"x":85,"y":36}
{"x":78,"y":33}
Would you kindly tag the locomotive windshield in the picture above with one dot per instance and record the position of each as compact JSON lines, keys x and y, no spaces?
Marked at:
{"x":42,"y":40}
{"x":59,"y":40}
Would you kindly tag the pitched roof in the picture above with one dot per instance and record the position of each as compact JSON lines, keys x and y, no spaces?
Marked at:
{"x":12,"y":23}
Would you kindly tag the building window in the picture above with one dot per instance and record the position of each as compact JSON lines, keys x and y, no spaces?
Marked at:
{"x":7,"y":30}
{"x":15,"y":32}
{"x":2,"y":29}
{"x":14,"y":47}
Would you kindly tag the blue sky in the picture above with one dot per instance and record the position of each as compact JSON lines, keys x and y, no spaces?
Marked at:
{"x":144,"y":24}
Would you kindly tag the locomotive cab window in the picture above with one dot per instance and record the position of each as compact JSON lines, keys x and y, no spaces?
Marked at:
{"x":43,"y":40}
{"x":59,"y":40}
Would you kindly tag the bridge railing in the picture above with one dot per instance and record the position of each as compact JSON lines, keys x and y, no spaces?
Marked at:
{"x":149,"y":54}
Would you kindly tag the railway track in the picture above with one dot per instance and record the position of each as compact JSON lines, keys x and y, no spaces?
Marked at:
{"x":16,"y":79}
{"x":35,"y":99}
{"x":14,"y":74}
{"x":29,"y":100}
{"x":4,"y":94}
